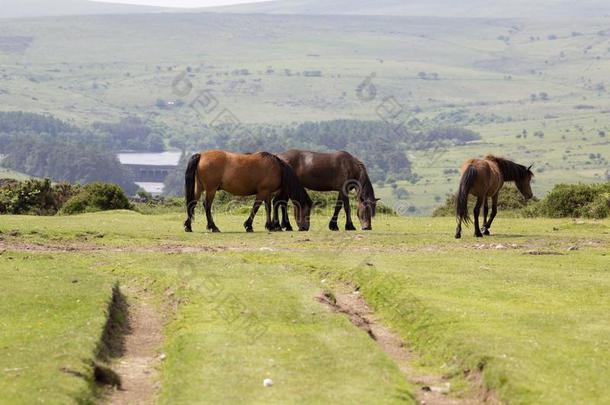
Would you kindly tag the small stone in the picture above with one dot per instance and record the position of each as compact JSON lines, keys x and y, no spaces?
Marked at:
{"x":162,"y":356}
{"x":571,"y":248}
{"x":267,"y":382}
{"x":500,"y":246}
{"x":441,"y":390}
{"x":266,"y":249}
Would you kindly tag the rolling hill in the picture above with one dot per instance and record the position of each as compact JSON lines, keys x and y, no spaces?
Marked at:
{"x":438,"y":8}
{"x":536,"y":90}
{"x":39,"y":8}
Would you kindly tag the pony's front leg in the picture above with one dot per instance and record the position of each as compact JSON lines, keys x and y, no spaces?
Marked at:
{"x":333,"y":221}
{"x":476,"y":212}
{"x":269,"y":224}
{"x":248,"y":223}
{"x":349,"y":225}
{"x":278,"y":203}
{"x":285,"y":218}
{"x":458,"y":229}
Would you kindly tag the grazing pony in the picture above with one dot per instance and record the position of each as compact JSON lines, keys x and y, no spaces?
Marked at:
{"x":484,"y":178}
{"x":339,"y":171}
{"x":261,"y":174}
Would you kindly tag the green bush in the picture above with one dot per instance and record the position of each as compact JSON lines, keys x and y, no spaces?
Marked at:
{"x":97,"y":197}
{"x":510,"y":199}
{"x":35,"y":197}
{"x":599,"y":208}
{"x":576,"y":200}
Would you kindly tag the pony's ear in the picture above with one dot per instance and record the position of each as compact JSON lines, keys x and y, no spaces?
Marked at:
{"x":377,"y":199}
{"x":530,"y":168}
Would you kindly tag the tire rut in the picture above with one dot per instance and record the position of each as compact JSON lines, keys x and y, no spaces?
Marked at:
{"x":432,"y":389}
{"x":137,"y":366}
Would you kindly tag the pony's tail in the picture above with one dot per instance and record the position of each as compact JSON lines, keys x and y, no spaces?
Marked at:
{"x":291,"y":186}
{"x":189,"y":185}
{"x":466,"y":183}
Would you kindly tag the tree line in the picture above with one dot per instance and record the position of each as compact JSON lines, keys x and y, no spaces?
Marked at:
{"x":44,"y":146}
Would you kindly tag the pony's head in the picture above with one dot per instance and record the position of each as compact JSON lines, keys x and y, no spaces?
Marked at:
{"x":366,"y":211}
{"x":524,"y":184}
{"x":302,"y":213}
{"x":367,"y":203}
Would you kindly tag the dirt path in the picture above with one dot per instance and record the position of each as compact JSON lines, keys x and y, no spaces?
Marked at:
{"x":137,"y":367}
{"x":432,"y":389}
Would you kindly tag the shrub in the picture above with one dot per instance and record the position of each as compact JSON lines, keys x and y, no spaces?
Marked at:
{"x":576,"y":200}
{"x":37,"y":197}
{"x":97,"y":197}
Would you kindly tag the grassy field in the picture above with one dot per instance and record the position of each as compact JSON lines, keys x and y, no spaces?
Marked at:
{"x":526,"y":307}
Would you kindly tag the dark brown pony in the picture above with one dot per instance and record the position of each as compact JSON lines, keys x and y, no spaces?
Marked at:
{"x":261,"y":174}
{"x":339,"y":171}
{"x":484,"y":178}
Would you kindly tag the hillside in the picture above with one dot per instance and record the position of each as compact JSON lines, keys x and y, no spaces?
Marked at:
{"x":39,"y":8}
{"x":438,"y":8}
{"x":534,"y":90}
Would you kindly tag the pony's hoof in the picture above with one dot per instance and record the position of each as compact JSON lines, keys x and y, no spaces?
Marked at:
{"x":288,"y":228}
{"x":478,"y":235}
{"x":350,"y":227}
{"x":333,"y":226}
{"x":458,"y":236}
{"x":188,"y":229}
{"x":249,"y":230}
{"x":486,"y":232}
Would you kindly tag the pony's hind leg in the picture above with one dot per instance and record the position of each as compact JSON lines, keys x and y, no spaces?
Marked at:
{"x":485,"y":212}
{"x":492,"y":216}
{"x":476,"y":212}
{"x":209,"y":199}
{"x":333,"y":221}
{"x":190,"y":208}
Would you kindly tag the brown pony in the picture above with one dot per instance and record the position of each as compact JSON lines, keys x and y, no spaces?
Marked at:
{"x":339,"y":171}
{"x":484,"y":178}
{"x":261,"y":174}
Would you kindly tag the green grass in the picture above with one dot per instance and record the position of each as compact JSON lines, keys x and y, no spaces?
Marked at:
{"x":52,"y":316}
{"x":537,"y":325}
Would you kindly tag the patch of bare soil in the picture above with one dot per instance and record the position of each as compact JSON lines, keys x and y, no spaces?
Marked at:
{"x":133,"y":361}
{"x":433,"y":389}
{"x":22,"y":246}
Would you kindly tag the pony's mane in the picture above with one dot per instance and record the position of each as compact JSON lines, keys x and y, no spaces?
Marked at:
{"x":367,"y":192}
{"x":510,"y":170}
